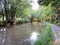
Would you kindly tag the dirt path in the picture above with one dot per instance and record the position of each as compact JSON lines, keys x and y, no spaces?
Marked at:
{"x":56,"y":31}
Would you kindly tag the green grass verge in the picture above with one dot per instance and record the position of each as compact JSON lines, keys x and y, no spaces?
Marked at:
{"x":46,"y":38}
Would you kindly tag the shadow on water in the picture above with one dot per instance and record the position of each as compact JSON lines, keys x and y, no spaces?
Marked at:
{"x":17,"y":34}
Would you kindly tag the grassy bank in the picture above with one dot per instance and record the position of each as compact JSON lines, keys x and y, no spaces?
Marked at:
{"x":46,"y":37}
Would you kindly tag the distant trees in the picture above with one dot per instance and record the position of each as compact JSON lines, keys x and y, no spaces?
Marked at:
{"x":55,"y":4}
{"x":7,"y":10}
{"x":47,"y":2}
{"x":23,"y":9}
{"x":15,"y":8}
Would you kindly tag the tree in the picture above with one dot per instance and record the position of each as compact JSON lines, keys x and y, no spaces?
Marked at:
{"x":47,"y":2}
{"x":23,"y":8}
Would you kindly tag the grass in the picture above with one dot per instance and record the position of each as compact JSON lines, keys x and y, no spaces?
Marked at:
{"x":46,"y":38}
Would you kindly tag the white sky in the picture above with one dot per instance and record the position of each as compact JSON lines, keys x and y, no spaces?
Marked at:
{"x":35,"y":5}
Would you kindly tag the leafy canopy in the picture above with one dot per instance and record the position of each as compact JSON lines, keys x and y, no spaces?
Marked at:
{"x":22,"y":8}
{"x":47,"y":2}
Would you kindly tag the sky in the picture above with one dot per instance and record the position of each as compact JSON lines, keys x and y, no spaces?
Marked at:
{"x":35,"y":5}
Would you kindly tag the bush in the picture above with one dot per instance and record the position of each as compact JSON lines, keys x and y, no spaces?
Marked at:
{"x":46,"y":38}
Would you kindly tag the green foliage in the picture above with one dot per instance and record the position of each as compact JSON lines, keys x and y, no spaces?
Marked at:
{"x":46,"y":38}
{"x":22,"y":9}
{"x":47,"y":2}
{"x":43,"y":12}
{"x":48,"y":10}
{"x":36,"y":13}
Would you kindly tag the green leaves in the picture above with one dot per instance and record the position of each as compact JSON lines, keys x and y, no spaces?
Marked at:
{"x":22,"y":8}
{"x":47,"y":2}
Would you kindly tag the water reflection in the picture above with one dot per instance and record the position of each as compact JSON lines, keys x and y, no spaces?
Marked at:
{"x":3,"y":29}
{"x":33,"y":38}
{"x":18,"y":34}
{"x":3,"y":40}
{"x":2,"y":35}
{"x":0,"y":40}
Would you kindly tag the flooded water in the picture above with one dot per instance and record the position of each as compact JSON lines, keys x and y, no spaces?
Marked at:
{"x":33,"y":38}
{"x":17,"y":34}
